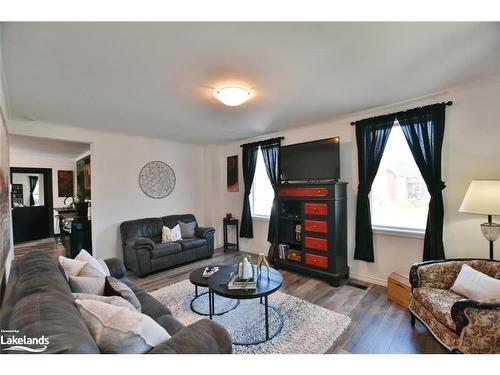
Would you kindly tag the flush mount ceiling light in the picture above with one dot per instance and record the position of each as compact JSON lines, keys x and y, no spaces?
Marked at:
{"x":232,"y":95}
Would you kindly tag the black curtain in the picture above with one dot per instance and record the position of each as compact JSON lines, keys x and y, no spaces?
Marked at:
{"x":249,"y":162}
{"x":371,"y":137}
{"x":424,"y":130}
{"x":271,"y":154}
{"x":33,"y":182}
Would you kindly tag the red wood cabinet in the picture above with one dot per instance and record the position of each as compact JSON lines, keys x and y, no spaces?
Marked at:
{"x":303,"y":192}
{"x":316,"y":243}
{"x":320,"y":209}
{"x":316,"y":260}
{"x":316,"y":226}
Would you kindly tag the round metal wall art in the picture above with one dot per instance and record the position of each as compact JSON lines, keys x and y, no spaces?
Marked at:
{"x":157,"y":179}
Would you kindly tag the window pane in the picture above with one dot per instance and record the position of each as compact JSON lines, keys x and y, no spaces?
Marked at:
{"x":399,"y":196}
{"x":262,"y":193}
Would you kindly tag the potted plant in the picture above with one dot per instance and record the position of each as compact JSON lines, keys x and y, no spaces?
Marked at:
{"x":81,"y":206}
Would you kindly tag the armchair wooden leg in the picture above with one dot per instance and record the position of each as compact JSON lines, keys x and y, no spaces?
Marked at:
{"x":412,"y":319}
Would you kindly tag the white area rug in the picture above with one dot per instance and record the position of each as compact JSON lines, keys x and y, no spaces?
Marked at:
{"x":307,"y":328}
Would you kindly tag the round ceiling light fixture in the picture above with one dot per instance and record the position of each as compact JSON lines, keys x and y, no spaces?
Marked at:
{"x":232,"y":95}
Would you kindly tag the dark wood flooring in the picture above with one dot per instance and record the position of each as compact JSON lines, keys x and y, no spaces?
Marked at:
{"x":378,"y":326}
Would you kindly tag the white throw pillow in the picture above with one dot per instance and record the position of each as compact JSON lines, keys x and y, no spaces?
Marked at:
{"x":89,"y":285}
{"x":177,"y":233}
{"x":167,"y":235}
{"x":476,"y":285}
{"x":70,"y":266}
{"x":171,"y":235}
{"x":112,"y":300}
{"x":83,"y":255}
{"x":120,"y":330}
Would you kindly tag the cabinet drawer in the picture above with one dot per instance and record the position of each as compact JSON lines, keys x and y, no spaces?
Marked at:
{"x":303,"y":192}
{"x":316,"y":260}
{"x":320,"y":209}
{"x":316,"y":243}
{"x":316,"y":226}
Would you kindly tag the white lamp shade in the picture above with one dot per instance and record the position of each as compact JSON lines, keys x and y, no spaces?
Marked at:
{"x":482,"y":197}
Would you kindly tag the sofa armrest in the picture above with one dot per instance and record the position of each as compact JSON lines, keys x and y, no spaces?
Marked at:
{"x":204,"y":232}
{"x":140,"y":243}
{"x":116,"y":267}
{"x":202,"y":337}
{"x":461,"y":308}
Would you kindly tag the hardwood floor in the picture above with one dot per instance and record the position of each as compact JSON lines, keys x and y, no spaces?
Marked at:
{"x":378,"y":326}
{"x":48,"y":245}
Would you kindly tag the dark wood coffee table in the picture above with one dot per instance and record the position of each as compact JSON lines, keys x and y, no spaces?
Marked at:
{"x":196,"y":278}
{"x":266,"y":285}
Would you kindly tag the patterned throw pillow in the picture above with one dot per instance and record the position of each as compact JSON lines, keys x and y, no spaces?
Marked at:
{"x":120,"y":330}
{"x":114,"y":287}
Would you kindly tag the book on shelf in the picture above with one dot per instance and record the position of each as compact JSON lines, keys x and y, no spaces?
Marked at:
{"x":236,"y":283}
{"x":209,"y":271}
{"x":282,"y":250}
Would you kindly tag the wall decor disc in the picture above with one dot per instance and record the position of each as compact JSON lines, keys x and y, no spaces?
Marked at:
{"x":157,"y":179}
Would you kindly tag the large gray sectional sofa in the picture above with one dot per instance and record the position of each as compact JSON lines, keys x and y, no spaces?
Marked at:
{"x":144,"y":253}
{"x":38,"y":301}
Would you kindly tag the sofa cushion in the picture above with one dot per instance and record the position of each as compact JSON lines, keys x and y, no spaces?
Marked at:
{"x":170,"y":324}
{"x":164,"y":249}
{"x":476,"y":285}
{"x":114,"y":287}
{"x":438,"y":302}
{"x":192,"y":243}
{"x":187,"y":229}
{"x":172,"y":220}
{"x":120,"y":330}
{"x":149,"y":305}
{"x":148,"y":227}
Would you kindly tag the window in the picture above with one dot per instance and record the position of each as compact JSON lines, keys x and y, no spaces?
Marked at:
{"x":262,"y":193}
{"x":36,"y":193}
{"x":399,"y":197}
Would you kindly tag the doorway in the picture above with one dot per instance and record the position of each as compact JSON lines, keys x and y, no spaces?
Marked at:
{"x":32,"y":203}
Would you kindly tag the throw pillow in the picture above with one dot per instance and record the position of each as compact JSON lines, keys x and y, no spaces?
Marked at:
{"x":83,"y":255}
{"x":114,"y":287}
{"x":71,"y":267}
{"x":89,"y":285}
{"x":177,"y":233}
{"x":112,"y":300}
{"x":90,"y":270}
{"x":476,"y":285}
{"x":120,"y":330}
{"x":187,"y":229}
{"x":167,"y":235}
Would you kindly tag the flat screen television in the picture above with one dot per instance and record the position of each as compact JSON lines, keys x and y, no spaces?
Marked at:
{"x":311,"y":161}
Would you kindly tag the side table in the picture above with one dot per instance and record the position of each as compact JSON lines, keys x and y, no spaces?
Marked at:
{"x":228,"y":245}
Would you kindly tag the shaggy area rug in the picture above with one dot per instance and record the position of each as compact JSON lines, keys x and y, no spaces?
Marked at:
{"x":307,"y":328}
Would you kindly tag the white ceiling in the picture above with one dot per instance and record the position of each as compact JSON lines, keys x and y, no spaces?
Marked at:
{"x":157,"y":79}
{"x":21,"y":144}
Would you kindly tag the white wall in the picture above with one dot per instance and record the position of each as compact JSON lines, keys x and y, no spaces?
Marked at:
{"x":470,"y":151}
{"x":51,"y":162}
{"x":116,"y":162}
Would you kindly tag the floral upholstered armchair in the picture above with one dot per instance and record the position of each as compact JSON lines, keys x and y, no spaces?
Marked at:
{"x":460,"y":324}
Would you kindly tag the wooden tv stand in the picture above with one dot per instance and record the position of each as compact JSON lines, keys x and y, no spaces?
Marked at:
{"x":321,"y":211}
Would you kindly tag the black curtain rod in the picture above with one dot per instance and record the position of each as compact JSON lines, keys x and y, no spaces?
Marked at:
{"x":445,"y":103}
{"x":260,"y":142}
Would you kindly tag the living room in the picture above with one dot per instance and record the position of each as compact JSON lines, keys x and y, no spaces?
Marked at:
{"x":185,"y":182}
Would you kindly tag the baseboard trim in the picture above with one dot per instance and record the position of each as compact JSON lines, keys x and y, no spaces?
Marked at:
{"x":368,"y":279}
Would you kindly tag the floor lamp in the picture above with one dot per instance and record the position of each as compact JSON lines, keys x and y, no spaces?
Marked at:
{"x":483,"y":198}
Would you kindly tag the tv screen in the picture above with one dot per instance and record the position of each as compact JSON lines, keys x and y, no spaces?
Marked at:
{"x":317,"y":160}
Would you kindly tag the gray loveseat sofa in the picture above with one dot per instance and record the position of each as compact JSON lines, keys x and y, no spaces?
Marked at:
{"x":38,"y":301}
{"x":144,"y":253}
